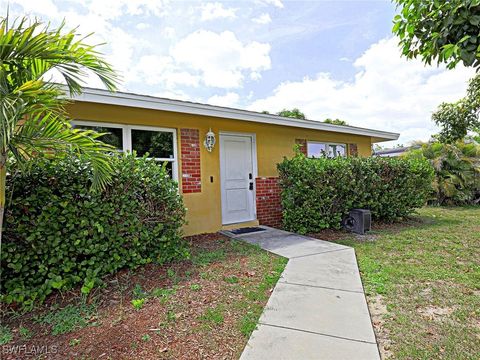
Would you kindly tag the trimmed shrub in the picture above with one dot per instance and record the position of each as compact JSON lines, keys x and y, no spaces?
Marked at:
{"x":318,"y":193}
{"x":58,"y":233}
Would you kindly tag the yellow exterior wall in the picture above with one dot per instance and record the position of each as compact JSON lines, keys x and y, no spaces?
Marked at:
{"x":273,"y":143}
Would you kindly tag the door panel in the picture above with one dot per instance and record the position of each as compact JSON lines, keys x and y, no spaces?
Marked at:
{"x":237,"y":200}
{"x":236,"y":165}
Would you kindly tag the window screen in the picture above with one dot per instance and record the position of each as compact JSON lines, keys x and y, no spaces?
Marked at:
{"x":160,"y":144}
{"x":335,"y":150}
{"x":316,"y":150}
{"x":157,"y":144}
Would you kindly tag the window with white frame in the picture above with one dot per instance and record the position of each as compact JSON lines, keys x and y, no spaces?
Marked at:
{"x":159,"y":143}
{"x":319,"y":149}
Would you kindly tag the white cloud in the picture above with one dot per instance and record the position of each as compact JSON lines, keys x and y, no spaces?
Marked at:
{"x":255,"y":76}
{"x":228,"y":100}
{"x":388,"y":92}
{"x":276,"y":3}
{"x":204,"y":57}
{"x":211,"y":11}
{"x":162,"y":71}
{"x":173,"y":94}
{"x":263,"y":19}
{"x":142,"y":26}
{"x":169,"y":32}
{"x":120,"y":46}
{"x":43,"y":7}
{"x":220,"y":57}
{"x":111,"y":9}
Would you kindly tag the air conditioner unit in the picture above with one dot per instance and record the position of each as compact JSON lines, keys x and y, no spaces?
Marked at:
{"x":358,"y":221}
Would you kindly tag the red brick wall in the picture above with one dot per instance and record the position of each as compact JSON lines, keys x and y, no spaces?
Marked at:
{"x":190,"y":160}
{"x":303,"y":145}
{"x":269,"y":209}
{"x":353,"y":150}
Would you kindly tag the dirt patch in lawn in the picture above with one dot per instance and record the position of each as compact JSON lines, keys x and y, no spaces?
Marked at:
{"x":202,"y":308}
{"x":435,"y":313}
{"x":378,"y":311}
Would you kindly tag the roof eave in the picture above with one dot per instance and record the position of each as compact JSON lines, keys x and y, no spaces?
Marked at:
{"x":155,"y":103}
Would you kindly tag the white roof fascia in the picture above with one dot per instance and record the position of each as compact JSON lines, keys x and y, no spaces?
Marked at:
{"x":150,"y":102}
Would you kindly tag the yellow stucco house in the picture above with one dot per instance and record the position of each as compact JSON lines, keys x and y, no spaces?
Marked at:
{"x":235,"y":182}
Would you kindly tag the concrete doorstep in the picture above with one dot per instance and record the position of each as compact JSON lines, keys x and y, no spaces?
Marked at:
{"x":317,"y":309}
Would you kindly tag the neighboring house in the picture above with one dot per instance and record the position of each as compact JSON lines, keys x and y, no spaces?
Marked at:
{"x":234,"y":184}
{"x":395,"y":152}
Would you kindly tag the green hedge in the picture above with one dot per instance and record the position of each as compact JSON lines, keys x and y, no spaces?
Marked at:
{"x":58,"y":233}
{"x":318,"y":193}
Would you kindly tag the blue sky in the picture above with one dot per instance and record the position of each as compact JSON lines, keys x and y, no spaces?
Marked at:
{"x":329,"y":58}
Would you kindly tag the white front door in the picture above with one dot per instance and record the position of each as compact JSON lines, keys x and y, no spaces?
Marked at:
{"x":237,"y":178}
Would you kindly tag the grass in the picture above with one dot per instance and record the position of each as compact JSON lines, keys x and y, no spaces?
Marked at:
{"x":69,"y":318}
{"x":214,"y":316}
{"x":421,"y":277}
{"x":207,"y":257}
{"x":252,"y":306}
{"x":196,"y":287}
{"x":426,"y":275}
{"x":163,"y":294}
{"x":231,"y":279}
{"x":204,"y":307}
{"x":24,"y":333}
{"x":5,"y":335}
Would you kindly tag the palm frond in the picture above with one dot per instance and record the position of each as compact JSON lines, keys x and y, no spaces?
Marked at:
{"x":29,"y":51}
{"x":8,"y":120}
{"x":50,"y":134}
{"x":32,"y":114}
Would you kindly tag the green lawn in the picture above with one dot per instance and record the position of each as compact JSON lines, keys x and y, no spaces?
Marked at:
{"x":423,"y":284}
{"x":422,"y":280}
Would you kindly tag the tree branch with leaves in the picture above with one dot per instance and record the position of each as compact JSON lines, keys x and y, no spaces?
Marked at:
{"x":442,"y":31}
{"x":457,"y":119}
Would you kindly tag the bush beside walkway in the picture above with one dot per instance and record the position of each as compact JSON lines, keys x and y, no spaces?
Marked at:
{"x":318,"y":193}
{"x":59,"y":233}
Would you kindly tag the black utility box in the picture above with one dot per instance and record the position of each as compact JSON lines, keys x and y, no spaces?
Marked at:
{"x":358,"y":221}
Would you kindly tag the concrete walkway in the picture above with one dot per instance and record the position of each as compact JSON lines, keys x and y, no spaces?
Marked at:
{"x":317,"y":309}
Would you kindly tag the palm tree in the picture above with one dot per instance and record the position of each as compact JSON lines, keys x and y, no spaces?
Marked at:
{"x":457,"y":171}
{"x":33,"y":119}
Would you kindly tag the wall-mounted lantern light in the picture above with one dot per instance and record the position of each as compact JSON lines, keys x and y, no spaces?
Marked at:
{"x":209,"y":142}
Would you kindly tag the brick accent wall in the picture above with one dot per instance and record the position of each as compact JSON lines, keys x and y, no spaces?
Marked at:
{"x":269,"y":209}
{"x":190,"y":160}
{"x":303,"y":145}
{"x":353,"y":150}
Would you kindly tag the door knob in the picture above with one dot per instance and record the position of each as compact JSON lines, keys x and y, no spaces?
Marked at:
{"x":250,"y":187}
